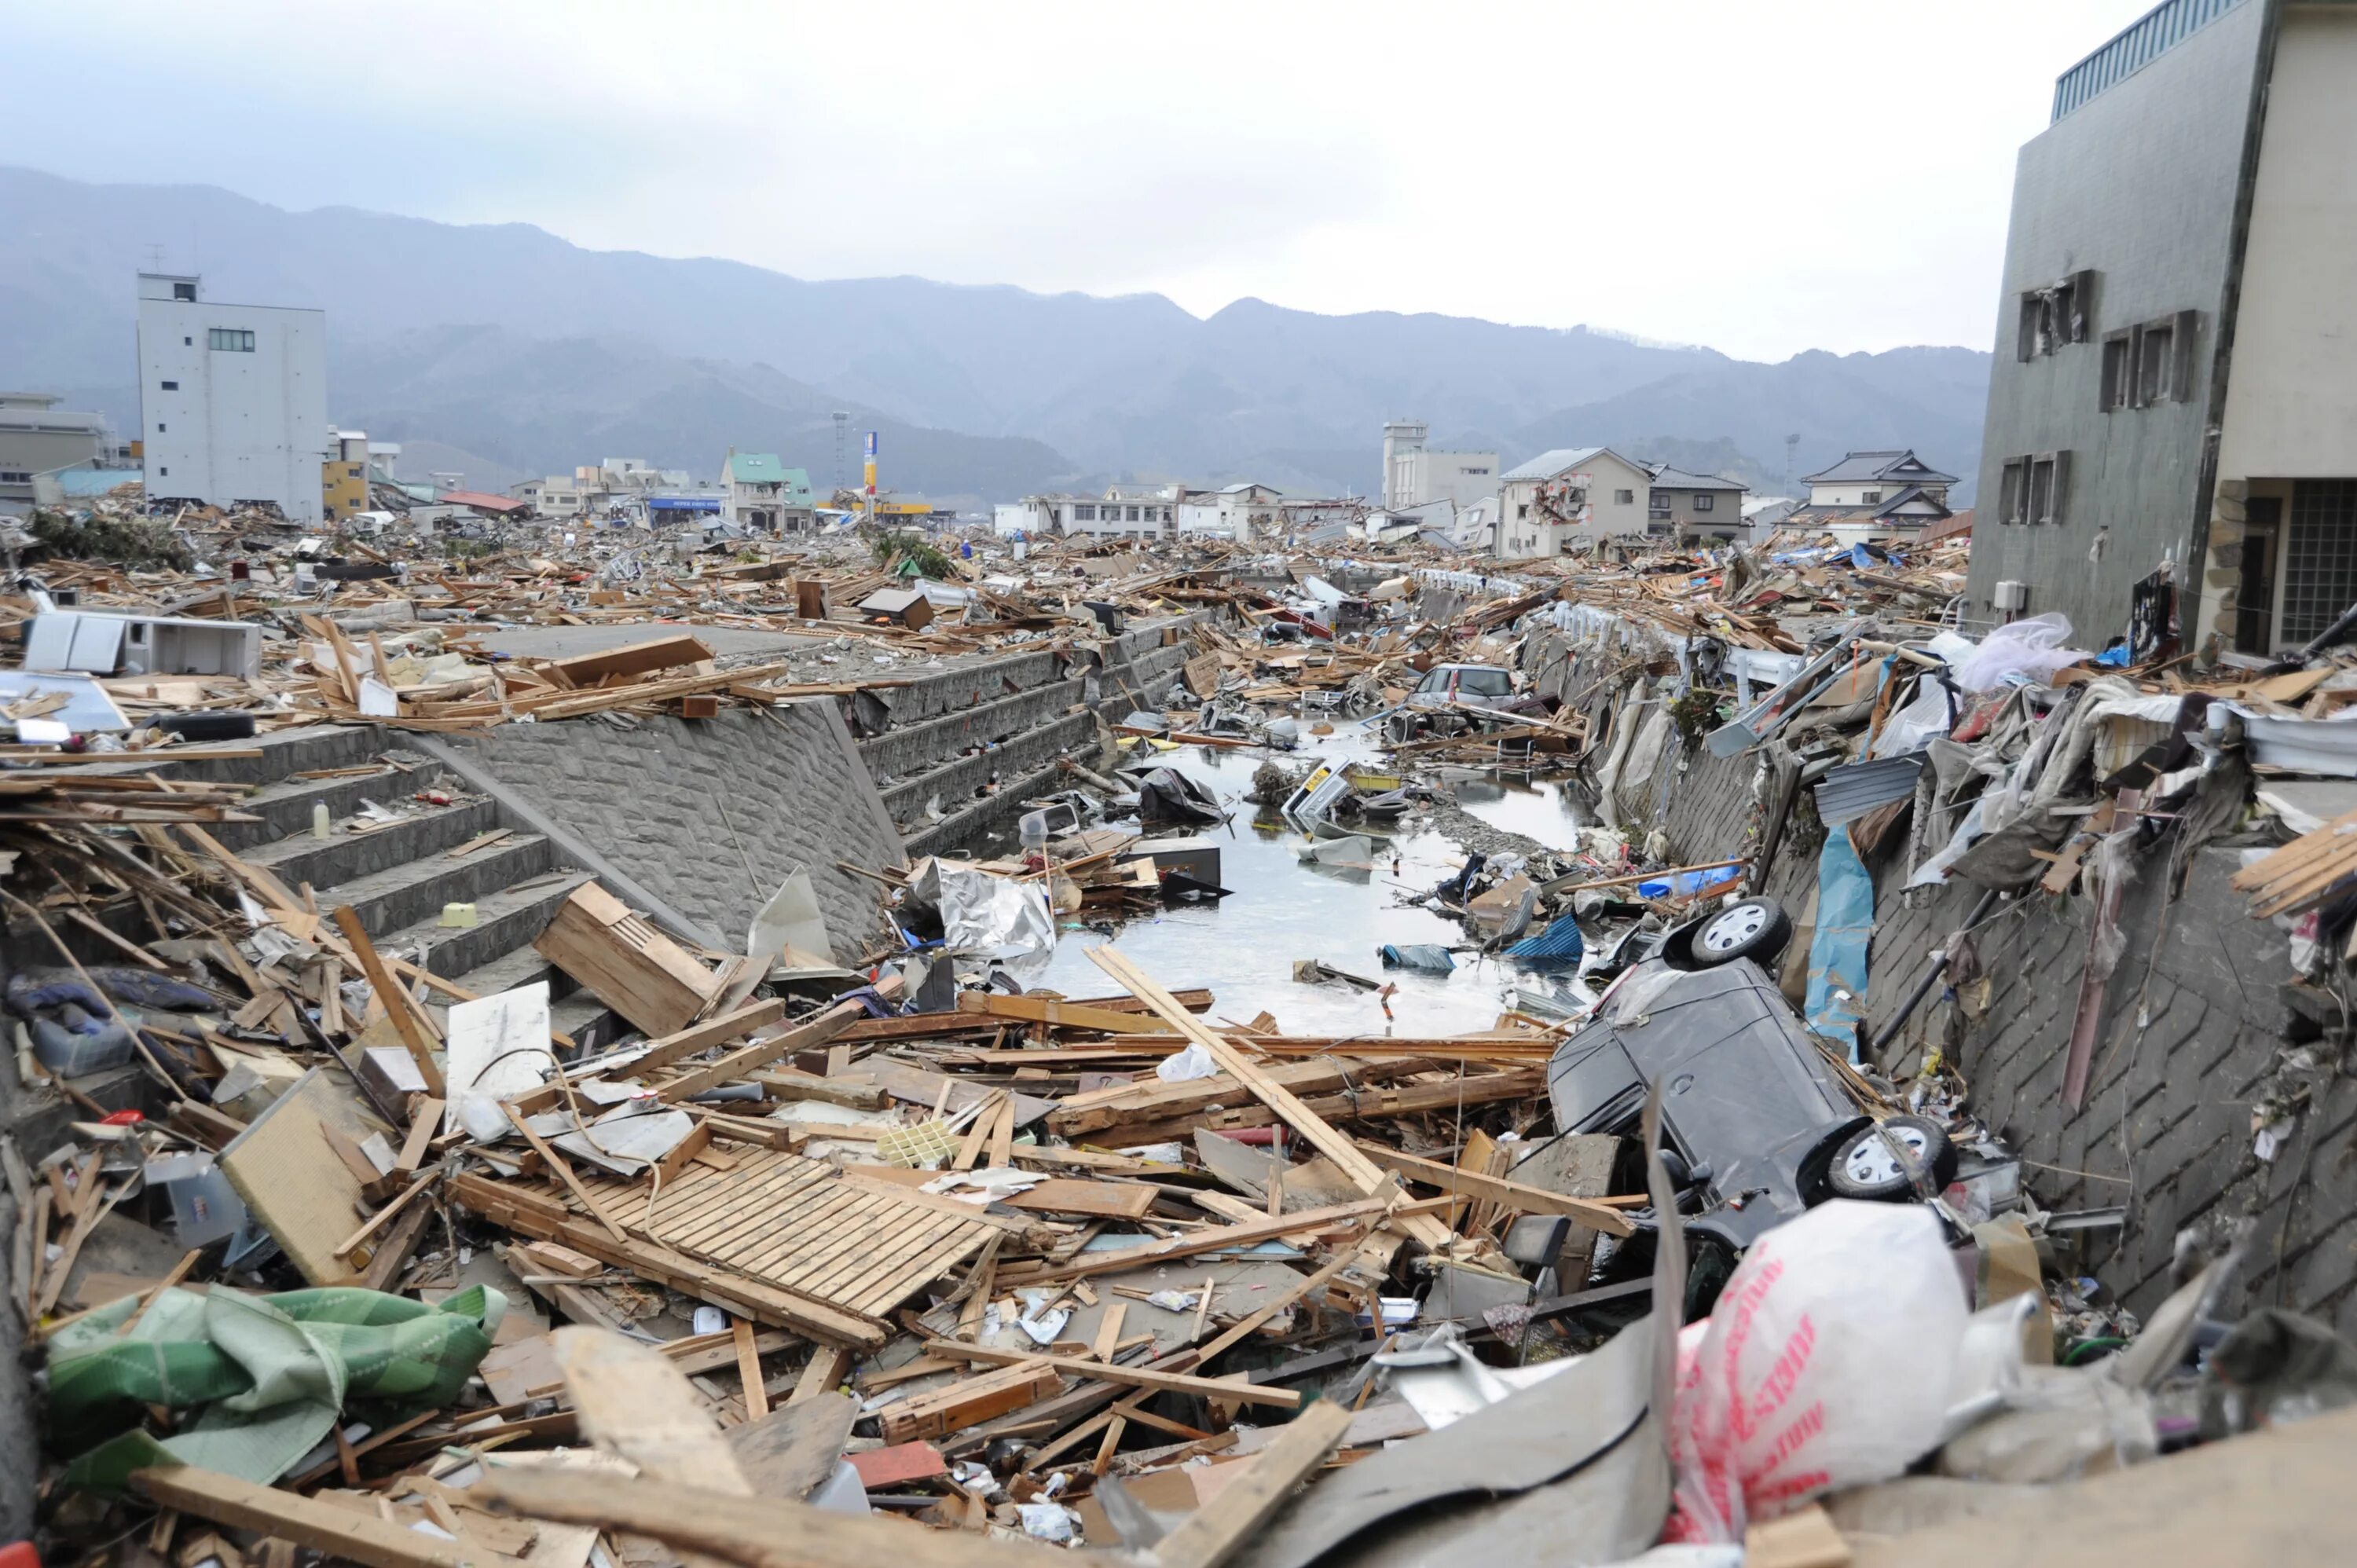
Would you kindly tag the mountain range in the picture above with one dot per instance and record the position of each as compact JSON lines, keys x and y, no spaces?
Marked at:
{"x":506,"y":352}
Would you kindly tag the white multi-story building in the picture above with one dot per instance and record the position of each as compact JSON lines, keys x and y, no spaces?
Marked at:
{"x":1415,"y":475}
{"x":1140,"y":514}
{"x":233,"y":399}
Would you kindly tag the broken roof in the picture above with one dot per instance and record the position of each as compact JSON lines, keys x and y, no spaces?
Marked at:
{"x":1670,"y":478}
{"x":1548,"y":464}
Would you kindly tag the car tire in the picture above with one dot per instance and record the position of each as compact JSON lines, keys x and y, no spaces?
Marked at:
{"x":1756,"y":929}
{"x":1863,"y":1168}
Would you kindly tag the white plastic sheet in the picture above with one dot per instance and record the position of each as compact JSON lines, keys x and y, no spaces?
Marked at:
{"x":2032,"y":648}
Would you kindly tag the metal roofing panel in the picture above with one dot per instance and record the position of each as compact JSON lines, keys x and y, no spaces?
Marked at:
{"x":1850,"y":792}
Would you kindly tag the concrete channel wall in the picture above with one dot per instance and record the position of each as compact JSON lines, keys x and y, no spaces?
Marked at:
{"x":2195,"y":1023}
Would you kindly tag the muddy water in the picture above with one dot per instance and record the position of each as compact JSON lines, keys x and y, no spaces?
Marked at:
{"x":1546,"y":810}
{"x":1244,"y":947}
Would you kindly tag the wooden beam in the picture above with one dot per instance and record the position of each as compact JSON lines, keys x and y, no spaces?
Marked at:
{"x":290,"y":1516}
{"x":1218,"y":1238}
{"x":1049,"y":1011}
{"x":1512,"y":1195}
{"x":757,"y":1531}
{"x":391,"y":997}
{"x":1211,"y":1535}
{"x":749,"y":1370}
{"x":1114,"y":1372}
{"x":711,"y":1032}
{"x":1363,"y":1173}
{"x":556,"y":1163}
{"x":761,"y":1053}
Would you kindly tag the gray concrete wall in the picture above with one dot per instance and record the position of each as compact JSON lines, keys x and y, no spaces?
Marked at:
{"x":2193,"y":1031}
{"x":708,"y":815}
{"x":2140,"y":185}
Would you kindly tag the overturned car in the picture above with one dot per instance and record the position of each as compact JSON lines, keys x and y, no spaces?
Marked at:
{"x":1757,"y":1123}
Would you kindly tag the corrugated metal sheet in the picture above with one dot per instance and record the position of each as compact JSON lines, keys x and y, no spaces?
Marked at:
{"x":1850,"y":792}
{"x":2136,"y":46}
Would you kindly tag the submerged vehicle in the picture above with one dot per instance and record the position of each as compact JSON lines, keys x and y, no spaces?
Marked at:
{"x":1756,"y":1124}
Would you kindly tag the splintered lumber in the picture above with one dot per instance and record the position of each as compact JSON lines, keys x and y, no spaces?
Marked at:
{"x":1364,"y":1104}
{"x":1049,"y":1011}
{"x":632,"y":1400}
{"x":818,"y":1031}
{"x":625,"y":962}
{"x":1211,"y":1535}
{"x":632,"y":659}
{"x":306,"y":1521}
{"x":1098,"y":1199}
{"x":757,"y":1531}
{"x":939,"y":1412}
{"x":1151,"y":1099}
{"x":1512,"y":1195}
{"x":1363,"y":1173}
{"x":392,"y":997}
{"x":1114,"y":1372}
{"x":1219,"y":1238}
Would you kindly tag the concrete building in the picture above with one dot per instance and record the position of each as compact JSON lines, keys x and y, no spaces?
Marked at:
{"x":344,"y":476}
{"x":1416,"y":473}
{"x":233,"y":399}
{"x":1874,"y":497}
{"x":762,"y":495}
{"x":2173,"y":410}
{"x":1118,"y":512}
{"x":1695,"y":505}
{"x":1569,"y":494}
{"x":37,"y":438}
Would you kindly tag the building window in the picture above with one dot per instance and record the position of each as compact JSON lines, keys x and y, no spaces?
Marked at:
{"x":1869,"y":498}
{"x":1475,"y":471}
{"x":159,"y":427}
{"x":2155,"y":363}
{"x":1521,"y":512}
{"x":2055,"y":315}
{"x":349,"y":473}
{"x":1133,"y":514}
{"x":187,"y":342}
{"x":1657,"y":504}
{"x":1624,"y":498}
{"x":1703,"y":500}
{"x":17,"y":476}
{"x":2012,"y":491}
{"x":2119,"y":348}
{"x":171,"y":386}
{"x":1084,"y":514}
{"x":229,"y":339}
{"x":186,"y":291}
{"x":166,"y":472}
{"x":2319,"y":557}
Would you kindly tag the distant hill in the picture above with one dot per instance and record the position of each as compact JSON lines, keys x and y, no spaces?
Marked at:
{"x":506,"y":343}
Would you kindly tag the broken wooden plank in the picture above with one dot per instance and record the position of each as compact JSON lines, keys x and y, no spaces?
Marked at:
{"x":1512,"y":1195}
{"x":306,"y":1521}
{"x":756,"y":1532}
{"x":939,"y":1412}
{"x":736,"y":1064}
{"x":1211,"y":1534}
{"x":1322,"y":1136}
{"x":1114,"y":1372}
{"x":392,"y":997}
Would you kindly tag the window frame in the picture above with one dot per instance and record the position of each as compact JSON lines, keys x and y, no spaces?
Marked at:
{"x":1704,"y":500}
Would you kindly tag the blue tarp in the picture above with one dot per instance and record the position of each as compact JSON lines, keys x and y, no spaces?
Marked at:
{"x":1559,"y":943}
{"x":1836,"y":995}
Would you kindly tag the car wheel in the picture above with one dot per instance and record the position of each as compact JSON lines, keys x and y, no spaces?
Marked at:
{"x":1756,"y":929}
{"x":1866,"y":1166}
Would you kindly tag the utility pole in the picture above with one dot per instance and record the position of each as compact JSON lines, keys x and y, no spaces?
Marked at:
{"x":1791,"y":445}
{"x":842,"y":423}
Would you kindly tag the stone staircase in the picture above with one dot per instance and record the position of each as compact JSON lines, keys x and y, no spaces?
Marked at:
{"x":398,"y":877}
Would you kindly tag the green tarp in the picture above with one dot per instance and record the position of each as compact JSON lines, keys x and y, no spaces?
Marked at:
{"x":259,"y":1380}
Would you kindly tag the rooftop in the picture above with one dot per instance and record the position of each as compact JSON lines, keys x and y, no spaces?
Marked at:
{"x":1670,"y":478}
{"x":1900,"y":466}
{"x":757,"y":468}
{"x":1548,"y":464}
{"x":2133,"y":48}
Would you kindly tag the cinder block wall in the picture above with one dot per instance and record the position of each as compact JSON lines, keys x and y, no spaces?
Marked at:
{"x":2194,"y":1026}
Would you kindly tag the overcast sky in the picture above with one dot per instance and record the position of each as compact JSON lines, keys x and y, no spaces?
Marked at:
{"x":1759,"y":178}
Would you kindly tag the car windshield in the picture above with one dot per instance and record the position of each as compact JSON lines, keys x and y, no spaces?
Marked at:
{"x":1485,"y":683}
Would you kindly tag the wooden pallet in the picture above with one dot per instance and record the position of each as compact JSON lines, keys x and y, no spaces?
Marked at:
{"x":797,"y":1225}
